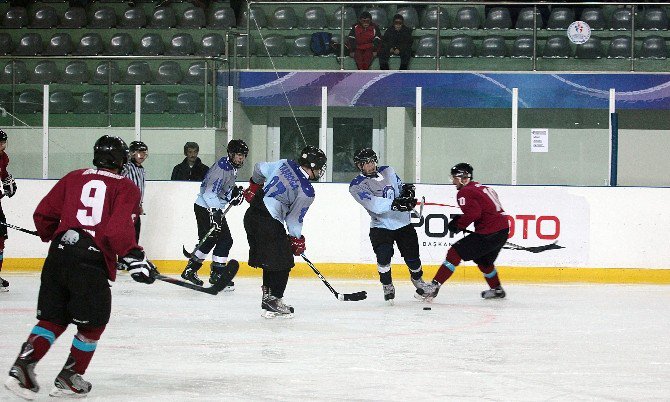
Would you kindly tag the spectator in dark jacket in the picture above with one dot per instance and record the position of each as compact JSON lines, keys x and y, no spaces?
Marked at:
{"x":192,"y":168}
{"x":363,"y":41}
{"x":397,"y":40}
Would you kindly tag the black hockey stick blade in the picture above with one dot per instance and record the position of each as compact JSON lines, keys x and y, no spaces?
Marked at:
{"x":209,"y":290}
{"x":535,"y":249}
{"x":358,"y":296}
{"x":231,"y":270}
{"x":186,"y":253}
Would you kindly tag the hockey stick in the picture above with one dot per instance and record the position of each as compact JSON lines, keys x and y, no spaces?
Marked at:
{"x":358,"y":296}
{"x":535,"y":249}
{"x":32,"y":232}
{"x":438,"y":204}
{"x":206,"y":236}
{"x":233,"y":266}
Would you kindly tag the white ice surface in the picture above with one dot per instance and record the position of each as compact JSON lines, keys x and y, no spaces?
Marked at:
{"x":543,"y":342}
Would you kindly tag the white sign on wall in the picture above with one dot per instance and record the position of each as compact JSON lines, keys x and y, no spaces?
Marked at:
{"x":539,"y":140}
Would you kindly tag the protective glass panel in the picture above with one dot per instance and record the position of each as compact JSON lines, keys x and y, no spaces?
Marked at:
{"x":295,"y":134}
{"x":349,"y":135}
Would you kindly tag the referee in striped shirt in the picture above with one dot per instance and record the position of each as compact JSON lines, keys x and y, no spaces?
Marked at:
{"x":134,"y":170}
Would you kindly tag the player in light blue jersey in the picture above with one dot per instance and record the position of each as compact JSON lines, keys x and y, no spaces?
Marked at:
{"x":389,"y":203}
{"x":217,"y":190}
{"x":279,"y":194}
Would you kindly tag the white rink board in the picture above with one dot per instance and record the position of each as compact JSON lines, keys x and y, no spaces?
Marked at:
{"x":600,"y":227}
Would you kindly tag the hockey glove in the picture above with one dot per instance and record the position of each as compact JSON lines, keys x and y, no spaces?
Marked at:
{"x":250,"y":192}
{"x":452,"y":226}
{"x":297,"y":245}
{"x":403,"y":204}
{"x":9,"y":186}
{"x":215,"y":219}
{"x":236,"y":195}
{"x":140,"y":269}
{"x":408,"y":191}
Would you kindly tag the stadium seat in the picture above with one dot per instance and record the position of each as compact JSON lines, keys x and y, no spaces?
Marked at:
{"x":105,"y":72}
{"x":212,"y":44}
{"x":133,"y":18}
{"x":15,"y":18}
{"x":181,"y":45}
{"x":425,"y":46}
{"x":591,"y":49}
{"x":137,"y":72}
{"x":76,"y":72}
{"x":168,"y":72}
{"x":29,"y":101}
{"x":461,"y":46}
{"x":498,"y":18}
{"x":467,"y":18}
{"x":195,"y":74}
{"x":410,"y":15}
{"x":14,"y":71}
{"x":61,"y":102}
{"x":283,"y":18}
{"x":257,"y":18}
{"x":493,"y":46}
{"x":73,"y":18}
{"x":525,"y":19}
{"x":315,"y":18}
{"x":6,"y":43}
{"x":44,"y":17}
{"x":102,"y":18}
{"x":654,"y":19}
{"x":300,"y":46}
{"x":560,"y":18}
{"x":523,"y":47}
{"x":221,"y":18}
{"x":619,"y":48}
{"x":29,"y":45}
{"x":241,"y":44}
{"x":89,"y":45}
{"x":150,"y":45}
{"x":163,"y":17}
{"x":429,"y":18}
{"x":92,"y":102}
{"x":193,"y":18}
{"x":59,"y":45}
{"x":187,"y":103}
{"x":379,"y":16}
{"x":123,"y":102}
{"x":621,"y":19}
{"x":595,"y":17}
{"x":349,"y":18}
{"x":275,"y":46}
{"x":557,"y":47}
{"x":654,"y":47}
{"x":44,"y":72}
{"x":155,"y":102}
{"x":121,"y":44}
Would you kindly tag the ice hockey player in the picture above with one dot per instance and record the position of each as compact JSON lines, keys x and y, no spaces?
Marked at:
{"x":217,"y":190}
{"x":280,"y":193}
{"x":133,"y":169}
{"x":389,"y":202}
{"x":481,"y":206}
{"x":88,"y":218}
{"x":8,"y":190}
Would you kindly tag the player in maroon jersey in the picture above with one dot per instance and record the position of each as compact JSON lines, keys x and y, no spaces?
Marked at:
{"x":88,"y":217}
{"x":480,"y":205}
{"x":8,"y":189}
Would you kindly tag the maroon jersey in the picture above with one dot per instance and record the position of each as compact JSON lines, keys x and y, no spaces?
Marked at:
{"x":4,"y":161}
{"x":480,"y":205}
{"x":100,"y":202}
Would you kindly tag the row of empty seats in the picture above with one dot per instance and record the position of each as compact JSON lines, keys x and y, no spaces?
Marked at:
{"x":121,"y":44}
{"x":94,"y":102}
{"x":78,"y":72}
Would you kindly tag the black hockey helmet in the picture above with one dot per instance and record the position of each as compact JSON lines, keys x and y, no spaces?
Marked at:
{"x":3,"y":135}
{"x":138,"y":146}
{"x":363,"y":156}
{"x":315,"y":159}
{"x":110,"y":153}
{"x":462,"y":170}
{"x":237,"y":147}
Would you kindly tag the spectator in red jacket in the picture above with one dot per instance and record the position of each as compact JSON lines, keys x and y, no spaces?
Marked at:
{"x":363,"y":41}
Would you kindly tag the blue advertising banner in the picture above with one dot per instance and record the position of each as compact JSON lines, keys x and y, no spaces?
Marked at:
{"x":455,"y":90}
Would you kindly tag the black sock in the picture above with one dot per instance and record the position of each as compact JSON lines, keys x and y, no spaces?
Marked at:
{"x":385,"y":278}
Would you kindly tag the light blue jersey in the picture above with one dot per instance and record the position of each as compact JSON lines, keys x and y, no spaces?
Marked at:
{"x":288,"y":192}
{"x":376,"y":194}
{"x":216,"y":188}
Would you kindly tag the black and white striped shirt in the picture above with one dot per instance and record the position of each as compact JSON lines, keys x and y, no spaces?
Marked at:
{"x":137,"y":175}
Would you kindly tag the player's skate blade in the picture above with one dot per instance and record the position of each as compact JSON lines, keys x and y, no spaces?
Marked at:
{"x":14,"y":385}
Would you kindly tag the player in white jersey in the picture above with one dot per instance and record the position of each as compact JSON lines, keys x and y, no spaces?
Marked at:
{"x":280,"y":193}
{"x":217,"y":190}
{"x":389,"y":202}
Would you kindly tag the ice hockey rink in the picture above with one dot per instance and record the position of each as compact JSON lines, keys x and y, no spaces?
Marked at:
{"x":543,"y":342}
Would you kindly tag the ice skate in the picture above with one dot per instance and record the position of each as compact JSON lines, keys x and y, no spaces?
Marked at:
{"x":22,"y":381}
{"x":69,"y":384}
{"x":428,"y":292}
{"x":495,"y":293}
{"x":420,"y":284}
{"x":191,"y":272}
{"x":389,"y":292}
{"x":215,"y":274}
{"x":4,"y":285}
{"x":274,"y":307}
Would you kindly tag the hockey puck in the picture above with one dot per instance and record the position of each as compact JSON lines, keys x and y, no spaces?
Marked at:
{"x":427,"y":308}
